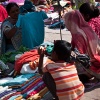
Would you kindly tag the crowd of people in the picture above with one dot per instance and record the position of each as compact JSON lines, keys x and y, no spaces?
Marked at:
{"x":24,"y":26}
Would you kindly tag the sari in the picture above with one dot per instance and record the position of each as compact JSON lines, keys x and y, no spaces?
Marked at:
{"x":16,"y":41}
{"x":84,"y":38}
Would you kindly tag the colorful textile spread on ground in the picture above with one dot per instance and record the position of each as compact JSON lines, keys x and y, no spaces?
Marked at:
{"x":27,"y":86}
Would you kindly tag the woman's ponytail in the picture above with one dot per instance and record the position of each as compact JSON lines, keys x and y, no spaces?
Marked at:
{"x":96,"y":12}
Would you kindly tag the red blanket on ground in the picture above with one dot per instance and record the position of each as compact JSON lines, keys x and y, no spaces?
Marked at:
{"x":26,"y":58}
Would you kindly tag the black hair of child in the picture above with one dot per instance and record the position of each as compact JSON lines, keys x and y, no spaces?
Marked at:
{"x":62,"y":49}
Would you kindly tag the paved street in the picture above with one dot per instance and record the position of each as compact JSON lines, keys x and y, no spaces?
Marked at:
{"x":52,"y":35}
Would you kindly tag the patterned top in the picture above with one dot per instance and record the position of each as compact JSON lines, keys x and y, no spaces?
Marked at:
{"x":15,"y":42}
{"x":95,"y":24}
{"x":67,"y":82}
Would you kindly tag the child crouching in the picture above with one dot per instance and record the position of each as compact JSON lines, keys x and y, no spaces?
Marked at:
{"x":60,"y":76}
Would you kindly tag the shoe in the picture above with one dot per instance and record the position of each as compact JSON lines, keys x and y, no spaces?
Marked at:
{"x":89,"y":86}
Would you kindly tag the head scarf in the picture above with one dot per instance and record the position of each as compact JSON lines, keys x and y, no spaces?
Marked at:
{"x":83,"y":37}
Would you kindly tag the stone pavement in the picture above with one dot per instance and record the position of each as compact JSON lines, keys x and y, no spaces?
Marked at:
{"x":51,"y":35}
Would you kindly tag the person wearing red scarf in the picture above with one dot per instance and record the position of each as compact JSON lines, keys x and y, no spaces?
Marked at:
{"x":3,"y":12}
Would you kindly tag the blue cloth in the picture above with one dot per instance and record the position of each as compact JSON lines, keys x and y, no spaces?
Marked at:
{"x":32,"y":25}
{"x":57,"y":25}
{"x":7,"y":92}
{"x":10,"y":48}
{"x":19,"y":80}
{"x":30,"y":82}
{"x":28,"y":6}
{"x":14,"y":97}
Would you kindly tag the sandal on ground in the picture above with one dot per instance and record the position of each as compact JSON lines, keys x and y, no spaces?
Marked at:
{"x":89,"y":86}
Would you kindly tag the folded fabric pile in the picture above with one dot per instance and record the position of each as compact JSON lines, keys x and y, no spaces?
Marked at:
{"x":25,"y":83}
{"x":26,"y":86}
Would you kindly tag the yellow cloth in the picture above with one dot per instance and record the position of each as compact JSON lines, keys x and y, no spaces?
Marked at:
{"x":19,"y":98}
{"x":39,"y":95}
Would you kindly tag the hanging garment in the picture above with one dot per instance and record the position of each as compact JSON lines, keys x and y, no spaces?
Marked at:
{"x":32,"y":25}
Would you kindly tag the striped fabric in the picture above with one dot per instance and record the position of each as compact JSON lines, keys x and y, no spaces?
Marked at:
{"x":39,"y":95}
{"x":67,"y":82}
{"x":30,"y":87}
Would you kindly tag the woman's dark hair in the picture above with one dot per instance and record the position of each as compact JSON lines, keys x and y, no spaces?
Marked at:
{"x":10,"y":5}
{"x":89,"y":9}
{"x":62,"y":49}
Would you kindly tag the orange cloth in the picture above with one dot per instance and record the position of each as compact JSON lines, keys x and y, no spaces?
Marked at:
{"x":34,"y":64}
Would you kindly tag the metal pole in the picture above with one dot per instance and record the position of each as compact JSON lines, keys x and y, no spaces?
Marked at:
{"x":59,"y":11}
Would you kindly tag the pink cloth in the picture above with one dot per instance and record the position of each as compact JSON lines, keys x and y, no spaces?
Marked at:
{"x":83,"y":37}
{"x":19,"y":2}
{"x":95,"y":24}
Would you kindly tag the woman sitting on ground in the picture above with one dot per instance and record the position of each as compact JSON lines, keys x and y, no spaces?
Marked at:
{"x":91,"y":15}
{"x":84,"y":39}
{"x":9,"y":29}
